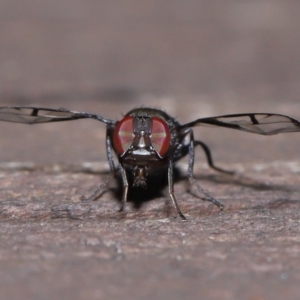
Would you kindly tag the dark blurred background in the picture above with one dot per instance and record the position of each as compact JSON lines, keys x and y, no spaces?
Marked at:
{"x":194,"y":59}
{"x":127,"y":48}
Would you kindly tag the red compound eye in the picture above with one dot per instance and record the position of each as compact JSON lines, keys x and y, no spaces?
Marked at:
{"x":123,"y":135}
{"x":160,"y":136}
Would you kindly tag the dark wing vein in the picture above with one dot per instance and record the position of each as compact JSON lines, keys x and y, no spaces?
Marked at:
{"x":260,"y":123}
{"x":34,"y":115}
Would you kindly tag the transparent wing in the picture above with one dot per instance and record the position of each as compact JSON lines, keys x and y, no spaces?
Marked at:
{"x":260,"y":123}
{"x":34,"y":115}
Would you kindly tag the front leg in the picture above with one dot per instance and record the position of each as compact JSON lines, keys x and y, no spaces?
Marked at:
{"x":109,"y":149}
{"x":171,"y":189}
{"x":125,"y":186}
{"x":109,"y":152}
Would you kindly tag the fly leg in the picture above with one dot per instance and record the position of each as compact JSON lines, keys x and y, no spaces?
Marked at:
{"x":209,"y":157}
{"x":125,"y":187}
{"x":109,"y":152}
{"x":99,"y":191}
{"x":171,"y":190}
{"x":191,"y":167}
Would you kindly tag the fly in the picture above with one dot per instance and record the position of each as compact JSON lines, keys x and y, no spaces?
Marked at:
{"x":147,"y":138}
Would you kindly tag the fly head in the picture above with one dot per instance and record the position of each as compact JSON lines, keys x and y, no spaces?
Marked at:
{"x":142,"y":137}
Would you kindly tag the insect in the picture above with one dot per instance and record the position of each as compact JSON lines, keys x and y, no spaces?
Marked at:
{"x":146,"y":139}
